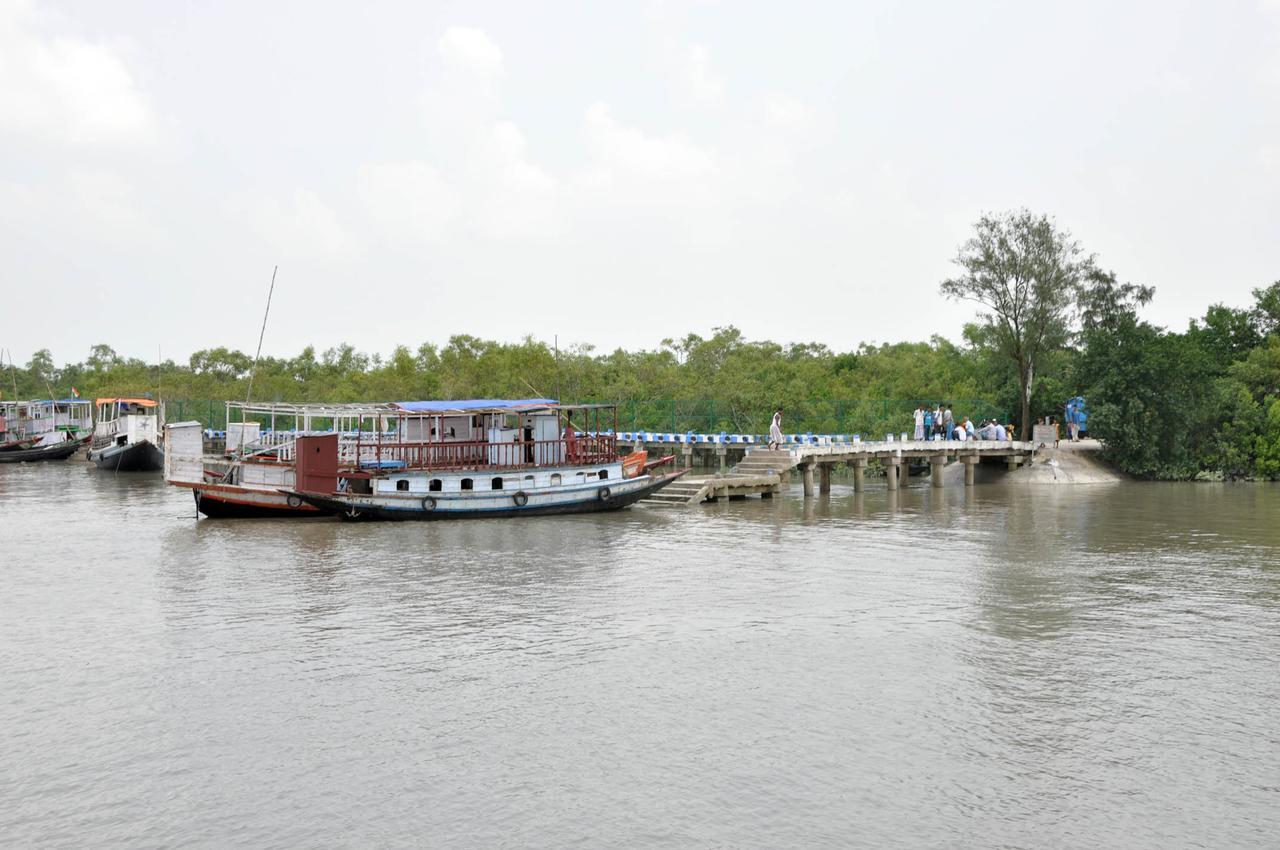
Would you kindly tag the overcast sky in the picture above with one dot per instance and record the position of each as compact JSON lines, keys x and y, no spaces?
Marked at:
{"x":613,"y":173}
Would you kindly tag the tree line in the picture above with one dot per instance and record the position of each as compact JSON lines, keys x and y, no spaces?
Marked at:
{"x":1051,"y":324}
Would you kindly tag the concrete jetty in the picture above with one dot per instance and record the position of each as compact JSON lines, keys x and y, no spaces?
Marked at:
{"x":764,"y":471}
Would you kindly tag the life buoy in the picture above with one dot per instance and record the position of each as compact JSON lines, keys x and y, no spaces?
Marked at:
{"x":428,"y":503}
{"x":294,"y":502}
{"x":603,"y":494}
{"x":521,"y":499}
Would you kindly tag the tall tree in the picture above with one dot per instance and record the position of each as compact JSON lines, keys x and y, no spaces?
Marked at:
{"x":1024,"y":272}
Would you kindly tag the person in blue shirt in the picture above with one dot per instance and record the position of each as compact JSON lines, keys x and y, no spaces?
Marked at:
{"x":928,"y":423}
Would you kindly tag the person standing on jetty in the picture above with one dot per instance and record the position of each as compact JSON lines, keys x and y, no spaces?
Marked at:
{"x":775,"y":429}
{"x":948,"y":421}
{"x":919,"y":432}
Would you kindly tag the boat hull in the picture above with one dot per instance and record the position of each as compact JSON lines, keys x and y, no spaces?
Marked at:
{"x":143,"y":456}
{"x":58,"y":451}
{"x":224,"y":501}
{"x":578,"y":500}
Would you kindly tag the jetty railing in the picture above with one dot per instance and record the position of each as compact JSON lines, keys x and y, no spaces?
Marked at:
{"x":706,"y":415}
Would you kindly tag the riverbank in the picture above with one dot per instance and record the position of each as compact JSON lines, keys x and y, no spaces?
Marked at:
{"x":1069,"y":463}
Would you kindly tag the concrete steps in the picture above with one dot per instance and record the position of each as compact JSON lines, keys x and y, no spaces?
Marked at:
{"x":693,"y":491}
{"x":677,"y":493}
{"x":765,"y":461}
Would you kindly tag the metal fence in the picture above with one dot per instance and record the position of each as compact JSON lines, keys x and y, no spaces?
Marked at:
{"x":871,"y":417}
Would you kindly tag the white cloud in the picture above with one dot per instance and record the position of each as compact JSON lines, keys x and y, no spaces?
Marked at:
{"x":100,"y":206}
{"x":1270,"y":12}
{"x":618,"y":147}
{"x":407,"y":200}
{"x":703,"y":84}
{"x":785,"y":112}
{"x":66,"y":89}
{"x":471,"y":51}
{"x":513,"y":198}
{"x":304,"y":228}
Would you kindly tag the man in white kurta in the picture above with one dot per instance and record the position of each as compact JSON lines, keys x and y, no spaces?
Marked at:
{"x":919,"y":434}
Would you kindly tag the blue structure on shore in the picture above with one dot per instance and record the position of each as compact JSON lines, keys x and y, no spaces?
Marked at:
{"x":1079,"y":409}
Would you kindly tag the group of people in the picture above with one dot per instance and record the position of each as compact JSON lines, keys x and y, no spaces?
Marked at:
{"x":938,"y":423}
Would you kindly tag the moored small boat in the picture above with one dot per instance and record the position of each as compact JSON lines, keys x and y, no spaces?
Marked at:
{"x":126,"y":436}
{"x":54,"y":451}
{"x":19,"y":444}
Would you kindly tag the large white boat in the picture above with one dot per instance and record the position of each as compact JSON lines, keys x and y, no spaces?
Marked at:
{"x":126,"y":436}
{"x":417,"y":460}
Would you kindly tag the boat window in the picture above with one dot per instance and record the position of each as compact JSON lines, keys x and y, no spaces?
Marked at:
{"x":496,"y":484}
{"x":467,"y":484}
{"x":528,"y":478}
{"x":402,"y":485}
{"x":435,"y":486}
{"x":555,"y":479}
{"x":604,"y":473}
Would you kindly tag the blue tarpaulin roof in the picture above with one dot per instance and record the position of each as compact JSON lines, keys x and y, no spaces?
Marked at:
{"x":474,"y":404}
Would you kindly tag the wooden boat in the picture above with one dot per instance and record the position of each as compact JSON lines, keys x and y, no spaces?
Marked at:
{"x":19,"y":444}
{"x":126,"y":436}
{"x":55,"y":451}
{"x":422,"y":460}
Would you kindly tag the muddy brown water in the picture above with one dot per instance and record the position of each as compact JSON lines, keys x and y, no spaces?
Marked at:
{"x":984,"y":667}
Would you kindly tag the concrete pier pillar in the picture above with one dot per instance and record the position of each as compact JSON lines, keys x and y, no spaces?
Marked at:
{"x":859,"y":466}
{"x":808,"y":480}
{"x":824,"y":478}
{"x":687,"y":451}
{"x":937,"y":464}
{"x":891,"y":466}
{"x":722,"y":455}
{"x":969,"y":461}
{"x":1013,"y":461}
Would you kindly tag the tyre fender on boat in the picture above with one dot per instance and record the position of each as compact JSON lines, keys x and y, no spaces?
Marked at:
{"x":428,"y":503}
{"x":521,"y":499}
{"x":294,"y":501}
{"x":603,"y":494}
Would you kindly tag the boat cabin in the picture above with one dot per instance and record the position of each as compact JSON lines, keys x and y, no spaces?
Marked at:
{"x":432,"y":446}
{"x":50,"y":420}
{"x":125,"y":421}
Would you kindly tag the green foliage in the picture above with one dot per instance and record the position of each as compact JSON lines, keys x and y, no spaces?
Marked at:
{"x":1166,"y":404}
{"x":1171,"y":405}
{"x":1268,"y":445}
{"x":720,"y":383}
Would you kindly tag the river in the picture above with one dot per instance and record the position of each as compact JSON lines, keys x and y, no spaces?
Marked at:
{"x":1091,"y":666}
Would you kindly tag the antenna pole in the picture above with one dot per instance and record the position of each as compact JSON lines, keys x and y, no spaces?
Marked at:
{"x":261,"y":334}
{"x":557,"y":345}
{"x":12,"y":373}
